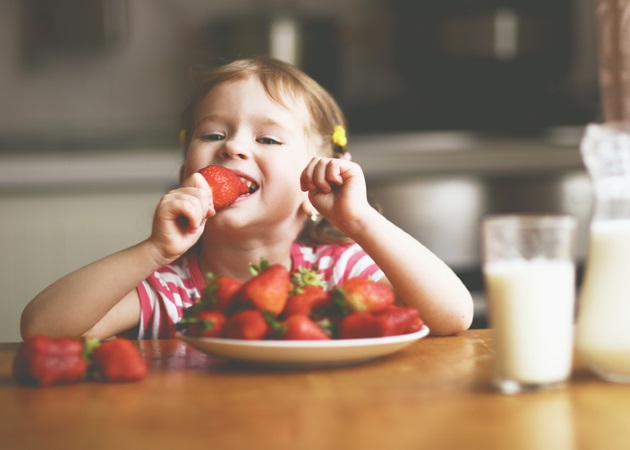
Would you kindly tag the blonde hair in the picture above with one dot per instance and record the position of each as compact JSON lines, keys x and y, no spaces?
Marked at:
{"x":281,"y":82}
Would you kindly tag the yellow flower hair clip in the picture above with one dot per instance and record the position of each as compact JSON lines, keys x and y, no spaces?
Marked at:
{"x":339,"y":137}
{"x":182,"y":136}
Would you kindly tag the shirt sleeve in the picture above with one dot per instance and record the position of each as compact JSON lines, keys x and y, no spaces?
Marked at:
{"x":163,"y":297}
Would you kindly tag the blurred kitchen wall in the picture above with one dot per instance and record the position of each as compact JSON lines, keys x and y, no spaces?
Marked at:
{"x":112,"y":73}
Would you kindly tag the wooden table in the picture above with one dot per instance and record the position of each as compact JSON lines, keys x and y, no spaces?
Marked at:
{"x":435,"y":394}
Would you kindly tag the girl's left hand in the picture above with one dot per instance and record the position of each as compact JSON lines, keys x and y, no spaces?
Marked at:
{"x":336,"y":188}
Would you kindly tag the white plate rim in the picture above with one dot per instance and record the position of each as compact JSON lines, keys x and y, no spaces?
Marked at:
{"x":332,"y":343}
{"x":322,"y":353}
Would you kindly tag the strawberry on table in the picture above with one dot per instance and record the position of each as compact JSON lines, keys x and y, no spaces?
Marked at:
{"x":268,"y":290}
{"x":46,"y":361}
{"x":247,"y":324}
{"x":118,"y":360}
{"x":225,"y":184}
{"x":362,"y":294}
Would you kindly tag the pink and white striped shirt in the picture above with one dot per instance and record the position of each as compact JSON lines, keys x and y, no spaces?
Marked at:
{"x":168,"y":291}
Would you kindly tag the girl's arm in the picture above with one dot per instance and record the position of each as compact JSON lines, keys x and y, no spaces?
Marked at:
{"x":100,"y":299}
{"x":337,"y":190}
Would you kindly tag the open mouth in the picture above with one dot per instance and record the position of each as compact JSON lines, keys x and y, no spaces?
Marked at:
{"x":253,"y":187}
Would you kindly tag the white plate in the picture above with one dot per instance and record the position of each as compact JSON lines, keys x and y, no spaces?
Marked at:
{"x":304,"y":354}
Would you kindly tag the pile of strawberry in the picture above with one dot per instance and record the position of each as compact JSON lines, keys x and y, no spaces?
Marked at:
{"x":277,"y":304}
{"x":46,"y":361}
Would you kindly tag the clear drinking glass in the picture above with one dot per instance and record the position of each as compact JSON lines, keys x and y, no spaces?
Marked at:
{"x":603,"y":326}
{"x":529,"y":276}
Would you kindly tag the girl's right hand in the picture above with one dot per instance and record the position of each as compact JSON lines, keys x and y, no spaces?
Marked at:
{"x":180,"y":218}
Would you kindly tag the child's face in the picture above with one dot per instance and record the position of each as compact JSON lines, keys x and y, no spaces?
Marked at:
{"x":238,"y":126}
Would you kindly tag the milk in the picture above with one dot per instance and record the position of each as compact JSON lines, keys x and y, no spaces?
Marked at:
{"x":531,"y":307}
{"x":603,"y":332}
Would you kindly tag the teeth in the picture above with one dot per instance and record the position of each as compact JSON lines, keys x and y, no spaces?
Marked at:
{"x":253,"y":187}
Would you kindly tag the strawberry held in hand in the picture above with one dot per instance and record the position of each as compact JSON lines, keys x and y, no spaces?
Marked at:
{"x":225,"y":184}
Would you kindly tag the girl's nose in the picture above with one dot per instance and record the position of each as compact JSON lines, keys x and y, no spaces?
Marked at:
{"x":234,"y":149}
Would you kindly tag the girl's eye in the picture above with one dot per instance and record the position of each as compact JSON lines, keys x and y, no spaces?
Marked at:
{"x":268,"y":141}
{"x":213,"y":137}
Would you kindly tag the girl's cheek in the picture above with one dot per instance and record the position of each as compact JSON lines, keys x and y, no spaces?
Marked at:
{"x":194,"y":162}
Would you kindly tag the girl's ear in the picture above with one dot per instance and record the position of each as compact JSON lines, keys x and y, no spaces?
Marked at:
{"x":309,"y":210}
{"x":307,"y":207}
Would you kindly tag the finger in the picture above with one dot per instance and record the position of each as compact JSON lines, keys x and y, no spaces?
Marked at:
{"x":197,"y":185}
{"x":320,"y":177}
{"x":188,"y":207}
{"x":192,"y":214}
{"x":196,"y":180}
{"x":306,"y":179}
{"x":333,"y":172}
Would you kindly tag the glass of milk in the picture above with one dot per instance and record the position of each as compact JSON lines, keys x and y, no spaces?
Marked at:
{"x":603,"y":325}
{"x":529,"y":277}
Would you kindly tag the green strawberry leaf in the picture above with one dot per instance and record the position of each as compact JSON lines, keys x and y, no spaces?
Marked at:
{"x":338,"y":299}
{"x":306,"y":277}
{"x":258,"y":269}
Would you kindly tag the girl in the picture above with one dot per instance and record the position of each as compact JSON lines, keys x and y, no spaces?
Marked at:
{"x":283,"y":134}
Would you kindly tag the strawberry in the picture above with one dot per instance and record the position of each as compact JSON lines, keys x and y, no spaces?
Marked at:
{"x":225,"y":184}
{"x":397,"y":320}
{"x":301,"y":327}
{"x":46,"y":361}
{"x":362,"y":294}
{"x":358,"y":325}
{"x":247,"y":324}
{"x":118,"y":360}
{"x":205,"y":324}
{"x":307,"y":277}
{"x":217,"y":297}
{"x":227,"y":288}
{"x":268,"y":290}
{"x":309,"y":293}
{"x":307,"y":301}
{"x":393,"y":321}
{"x":219,"y":293}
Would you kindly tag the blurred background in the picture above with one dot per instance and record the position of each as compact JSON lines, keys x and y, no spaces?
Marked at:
{"x":456,"y":108}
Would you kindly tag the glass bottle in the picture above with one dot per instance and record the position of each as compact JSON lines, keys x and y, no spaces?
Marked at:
{"x":603,"y":324}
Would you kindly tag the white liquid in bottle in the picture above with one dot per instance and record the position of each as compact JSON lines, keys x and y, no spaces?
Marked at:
{"x":603,"y":332}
